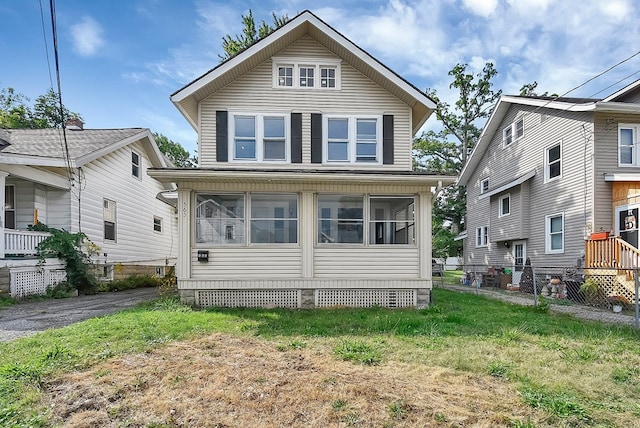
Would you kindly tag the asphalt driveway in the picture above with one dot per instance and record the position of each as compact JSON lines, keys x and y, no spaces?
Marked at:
{"x":27,"y":318}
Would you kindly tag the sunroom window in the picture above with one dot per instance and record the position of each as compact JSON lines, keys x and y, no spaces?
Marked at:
{"x":340,"y":219}
{"x":392,"y":220}
{"x":220,"y":219}
{"x":274,"y":218}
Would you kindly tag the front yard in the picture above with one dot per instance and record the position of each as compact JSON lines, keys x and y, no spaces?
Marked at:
{"x":466,"y":361}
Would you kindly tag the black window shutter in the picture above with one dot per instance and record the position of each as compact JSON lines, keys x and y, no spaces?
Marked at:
{"x":296,"y":137}
{"x":387,"y":139}
{"x":316,"y":138}
{"x":222,"y":136}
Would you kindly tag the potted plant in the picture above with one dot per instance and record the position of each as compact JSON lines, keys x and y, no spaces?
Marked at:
{"x":617,"y":302}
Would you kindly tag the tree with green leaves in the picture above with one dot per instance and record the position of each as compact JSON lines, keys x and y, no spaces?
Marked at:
{"x":15,"y":111}
{"x":446,"y":151}
{"x":250,"y":35}
{"x":177,"y":154}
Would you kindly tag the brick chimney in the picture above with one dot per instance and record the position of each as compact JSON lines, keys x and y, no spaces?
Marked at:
{"x":74,"y":124}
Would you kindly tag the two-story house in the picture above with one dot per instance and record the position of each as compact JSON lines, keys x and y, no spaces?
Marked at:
{"x":83,"y":180}
{"x":305,"y":194}
{"x":547,"y":175}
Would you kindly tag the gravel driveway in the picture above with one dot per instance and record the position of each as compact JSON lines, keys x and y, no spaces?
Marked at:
{"x":30,"y":317}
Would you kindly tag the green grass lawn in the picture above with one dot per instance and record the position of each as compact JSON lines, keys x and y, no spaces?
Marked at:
{"x":579,"y":373}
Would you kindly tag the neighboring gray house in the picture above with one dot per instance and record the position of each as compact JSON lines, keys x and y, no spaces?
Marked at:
{"x":547,"y":174}
{"x":305,"y":194}
{"x":96,"y":184}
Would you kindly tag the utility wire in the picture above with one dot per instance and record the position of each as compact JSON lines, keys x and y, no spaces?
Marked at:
{"x":62,"y":118}
{"x":46,"y":45}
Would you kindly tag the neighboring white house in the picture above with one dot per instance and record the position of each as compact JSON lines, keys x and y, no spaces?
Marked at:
{"x":305,"y":194}
{"x":547,"y":175}
{"x":95,"y":183}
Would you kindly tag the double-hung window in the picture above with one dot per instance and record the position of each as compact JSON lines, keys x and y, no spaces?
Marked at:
{"x":220,"y":219}
{"x":352,"y":139}
{"x":157,"y":224}
{"x":513,"y":132}
{"x":554,"y":233}
{"x":628,"y":143}
{"x":10,"y":206}
{"x":482,"y":236}
{"x":135,"y":164}
{"x":553,"y":162}
{"x":260,"y":137}
{"x":285,"y":76}
{"x":109,"y":219}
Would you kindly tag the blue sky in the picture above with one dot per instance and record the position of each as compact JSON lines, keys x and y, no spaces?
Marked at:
{"x":121,"y":59}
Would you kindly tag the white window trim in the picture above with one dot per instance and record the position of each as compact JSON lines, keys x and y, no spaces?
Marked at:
{"x":635,"y":151}
{"x":513,"y":127}
{"x":482,"y":189}
{"x":297,"y":63}
{"x":114,"y":220}
{"x":547,"y":234}
{"x":502,"y":198}
{"x":547,"y":171}
{"x":259,"y":137}
{"x":160,"y":222}
{"x":482,"y":238}
{"x":352,"y":137}
{"x":139,"y":176}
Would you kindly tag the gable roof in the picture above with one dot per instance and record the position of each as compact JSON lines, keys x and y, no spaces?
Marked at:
{"x":494,"y":123}
{"x":187,"y":98}
{"x":45,"y":147}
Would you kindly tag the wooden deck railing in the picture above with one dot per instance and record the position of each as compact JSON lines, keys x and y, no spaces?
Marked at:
{"x":612,"y":252}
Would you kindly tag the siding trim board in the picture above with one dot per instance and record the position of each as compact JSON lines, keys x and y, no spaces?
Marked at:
{"x":518,"y":181}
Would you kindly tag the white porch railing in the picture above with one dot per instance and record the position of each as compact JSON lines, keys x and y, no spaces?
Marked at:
{"x":22,"y":242}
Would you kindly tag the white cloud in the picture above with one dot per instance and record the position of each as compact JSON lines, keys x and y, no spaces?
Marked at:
{"x":483,"y":8}
{"x":87,"y":37}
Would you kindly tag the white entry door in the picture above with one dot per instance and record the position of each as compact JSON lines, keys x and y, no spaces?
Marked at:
{"x":519,"y":258}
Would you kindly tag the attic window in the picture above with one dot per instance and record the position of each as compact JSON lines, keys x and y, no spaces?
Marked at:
{"x":298,"y":73}
{"x":135,"y":164}
{"x":513,"y":132}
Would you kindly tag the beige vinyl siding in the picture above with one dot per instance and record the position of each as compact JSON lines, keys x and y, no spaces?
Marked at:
{"x":606,"y":160}
{"x":307,"y":258}
{"x":372,"y":262}
{"x":571,"y":194}
{"x":248,"y":263}
{"x":136,"y":203}
{"x":254,"y":93}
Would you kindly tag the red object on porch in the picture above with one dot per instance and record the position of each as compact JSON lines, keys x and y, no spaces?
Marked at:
{"x":599,"y":236}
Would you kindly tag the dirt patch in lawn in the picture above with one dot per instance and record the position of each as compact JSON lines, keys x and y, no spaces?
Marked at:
{"x":229,"y":381}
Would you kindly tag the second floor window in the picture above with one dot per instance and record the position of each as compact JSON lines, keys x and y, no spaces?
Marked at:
{"x":259,"y":137}
{"x":628,"y":145}
{"x":553,"y":162}
{"x":352,"y":139}
{"x":135,"y":164}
